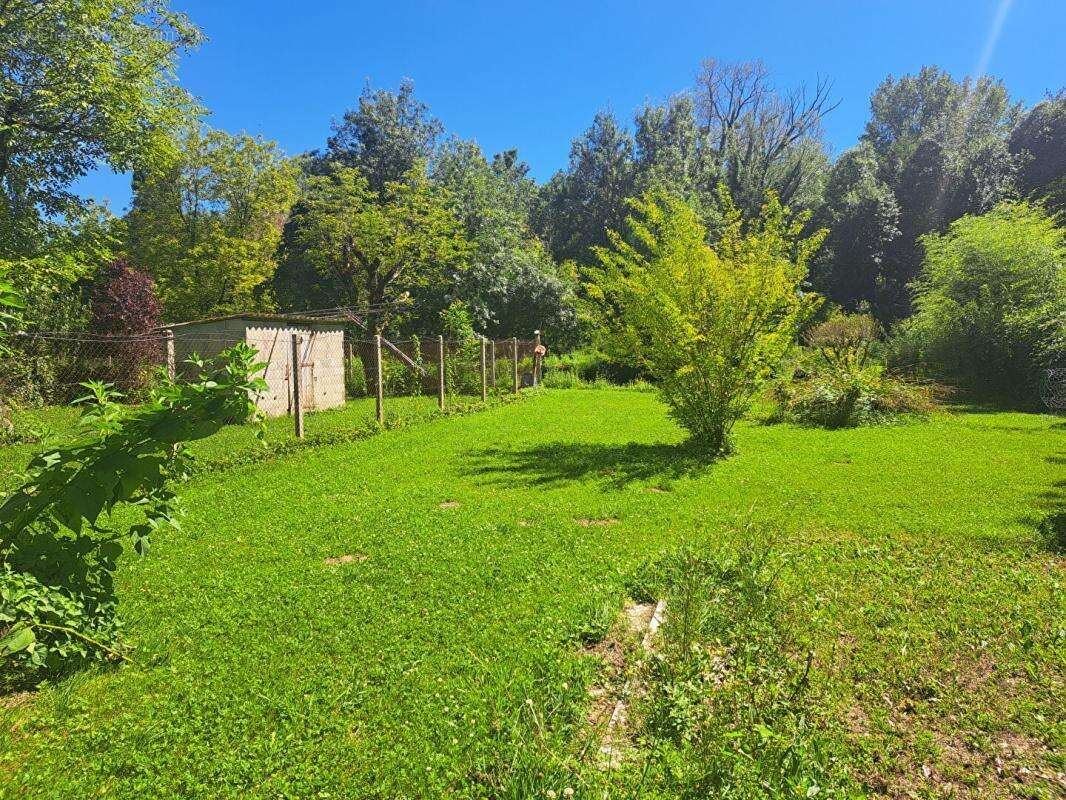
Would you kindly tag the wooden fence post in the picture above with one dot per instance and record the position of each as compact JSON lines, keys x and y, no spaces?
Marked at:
{"x":297,"y":399}
{"x":484,"y":377}
{"x":536,"y":359}
{"x":380,"y":395}
{"x":440,"y":371}
{"x":492,"y":362}
{"x":514,"y":356}
{"x":172,"y":365}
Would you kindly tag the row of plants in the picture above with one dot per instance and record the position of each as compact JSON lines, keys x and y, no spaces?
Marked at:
{"x":712,"y":322}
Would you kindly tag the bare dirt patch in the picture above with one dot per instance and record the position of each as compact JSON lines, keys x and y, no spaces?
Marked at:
{"x":588,"y":522}
{"x":347,"y":558}
{"x":15,"y":699}
{"x":628,"y":641}
{"x":449,"y":504}
{"x":966,"y":765}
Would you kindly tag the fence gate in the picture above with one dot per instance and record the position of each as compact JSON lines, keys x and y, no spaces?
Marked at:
{"x":307,"y":376}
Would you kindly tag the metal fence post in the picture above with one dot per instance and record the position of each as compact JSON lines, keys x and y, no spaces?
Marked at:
{"x":380,"y":394}
{"x":297,"y":399}
{"x":484,"y":377}
{"x":440,"y":371}
{"x":514,"y":355}
{"x":172,"y":365}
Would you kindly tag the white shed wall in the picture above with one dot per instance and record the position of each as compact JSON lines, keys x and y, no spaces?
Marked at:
{"x":322,"y":358}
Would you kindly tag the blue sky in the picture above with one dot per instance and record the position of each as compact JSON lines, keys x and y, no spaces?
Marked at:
{"x":531,"y":75}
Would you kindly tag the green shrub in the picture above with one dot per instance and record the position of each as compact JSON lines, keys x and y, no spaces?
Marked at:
{"x":355,"y":384}
{"x":833,"y":385}
{"x":991,"y":302}
{"x":400,"y":378}
{"x":57,"y":551}
{"x":558,"y":379}
{"x":868,"y":397}
{"x":709,"y":325}
{"x":590,"y":365}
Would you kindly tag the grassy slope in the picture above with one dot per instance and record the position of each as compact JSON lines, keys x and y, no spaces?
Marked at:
{"x":934,"y":606}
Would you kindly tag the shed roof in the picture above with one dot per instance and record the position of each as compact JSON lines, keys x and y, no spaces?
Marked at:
{"x":277,"y":319}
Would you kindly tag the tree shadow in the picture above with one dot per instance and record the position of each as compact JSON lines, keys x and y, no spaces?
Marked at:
{"x":616,"y":465}
{"x":973,"y":401}
{"x":1052,"y":527}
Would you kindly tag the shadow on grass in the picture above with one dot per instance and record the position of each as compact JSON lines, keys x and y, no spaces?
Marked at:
{"x":617,"y":465}
{"x":964,"y":400}
{"x":1052,"y":527}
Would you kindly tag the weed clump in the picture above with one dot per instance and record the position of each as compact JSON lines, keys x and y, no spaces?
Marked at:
{"x":837,"y":384}
{"x":728,"y":709}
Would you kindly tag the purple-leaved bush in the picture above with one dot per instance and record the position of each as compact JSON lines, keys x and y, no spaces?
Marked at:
{"x":124,"y":308}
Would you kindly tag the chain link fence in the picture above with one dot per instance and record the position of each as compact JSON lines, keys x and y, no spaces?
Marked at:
{"x":321,"y":377}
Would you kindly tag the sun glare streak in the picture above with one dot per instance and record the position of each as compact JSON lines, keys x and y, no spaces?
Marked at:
{"x":993,"y":37}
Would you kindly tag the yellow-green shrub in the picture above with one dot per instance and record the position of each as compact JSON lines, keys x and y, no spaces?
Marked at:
{"x":707,"y":324}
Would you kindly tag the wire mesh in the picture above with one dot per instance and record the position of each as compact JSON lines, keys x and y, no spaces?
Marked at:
{"x":49,"y":369}
{"x":329,"y":372}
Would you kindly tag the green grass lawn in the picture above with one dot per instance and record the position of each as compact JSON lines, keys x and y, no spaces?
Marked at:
{"x":445,"y":658}
{"x":53,"y":425}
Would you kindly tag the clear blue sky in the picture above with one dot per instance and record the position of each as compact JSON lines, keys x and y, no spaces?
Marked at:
{"x":531,"y":75}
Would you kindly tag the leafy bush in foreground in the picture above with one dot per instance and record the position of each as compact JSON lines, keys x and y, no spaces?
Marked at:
{"x":58,"y":549}
{"x":708,"y":325}
{"x":729,"y":710}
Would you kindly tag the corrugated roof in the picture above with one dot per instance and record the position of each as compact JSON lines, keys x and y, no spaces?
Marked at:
{"x":270,"y":318}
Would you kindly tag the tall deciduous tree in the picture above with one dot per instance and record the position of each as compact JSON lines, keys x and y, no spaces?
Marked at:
{"x":941,"y":148}
{"x":207,"y":224}
{"x":763,"y":139}
{"x":582,"y":203}
{"x":511,"y":283}
{"x":1039,"y":141}
{"x":671,"y":150}
{"x":351,"y":245}
{"x":81,"y":82}
{"x":386,"y":136}
{"x":862,"y":217}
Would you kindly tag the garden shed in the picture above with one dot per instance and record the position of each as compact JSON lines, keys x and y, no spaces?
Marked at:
{"x":321,"y":354}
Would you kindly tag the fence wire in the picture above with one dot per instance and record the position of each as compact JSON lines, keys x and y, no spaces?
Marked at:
{"x":321,"y":369}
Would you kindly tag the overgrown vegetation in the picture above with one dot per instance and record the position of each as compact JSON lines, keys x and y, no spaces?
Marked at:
{"x":728,"y":710}
{"x":709,"y":325}
{"x":991,"y":301}
{"x":836,"y":384}
{"x":61,"y":531}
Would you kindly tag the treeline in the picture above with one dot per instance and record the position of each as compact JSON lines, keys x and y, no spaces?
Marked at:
{"x":394,"y":215}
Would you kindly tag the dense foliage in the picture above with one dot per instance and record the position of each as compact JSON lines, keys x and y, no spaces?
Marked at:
{"x":836,"y":383}
{"x":61,"y":531}
{"x":709,"y":325}
{"x":206,"y":222}
{"x":933,"y":150}
{"x":392,"y":209}
{"x":81,"y":83}
{"x":125,"y":311}
{"x":991,"y":301}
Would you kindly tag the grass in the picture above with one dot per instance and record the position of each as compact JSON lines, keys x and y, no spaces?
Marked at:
{"x":52,"y":425}
{"x":445,"y":658}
